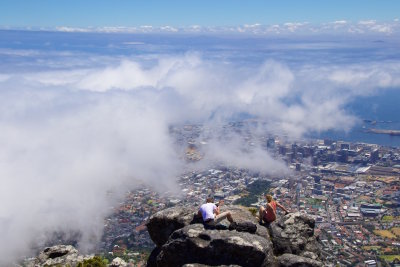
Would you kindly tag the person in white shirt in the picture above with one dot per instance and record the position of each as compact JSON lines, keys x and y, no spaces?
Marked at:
{"x":211,"y":214}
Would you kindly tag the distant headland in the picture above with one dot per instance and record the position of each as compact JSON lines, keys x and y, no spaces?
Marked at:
{"x":382,"y":131}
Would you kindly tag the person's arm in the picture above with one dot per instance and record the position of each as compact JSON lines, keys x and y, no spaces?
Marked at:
{"x":216,"y":210}
{"x":282,"y":207}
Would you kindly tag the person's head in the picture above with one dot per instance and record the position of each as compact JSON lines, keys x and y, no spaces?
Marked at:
{"x":269,"y":198}
{"x":210,"y":199}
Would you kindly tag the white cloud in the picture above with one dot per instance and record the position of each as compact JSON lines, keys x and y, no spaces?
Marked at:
{"x":69,"y":136}
{"x":168,"y":29}
{"x":72,"y":29}
{"x":367,"y":22}
{"x":367,"y":77}
{"x":231,"y":153}
{"x":293,"y":26}
{"x":340,"y":26}
{"x":62,"y":151}
{"x":340,"y":22}
{"x":306,"y":28}
{"x":382,"y":28}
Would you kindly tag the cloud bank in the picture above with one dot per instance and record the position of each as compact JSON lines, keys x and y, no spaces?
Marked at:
{"x":355,"y":28}
{"x":71,"y":135}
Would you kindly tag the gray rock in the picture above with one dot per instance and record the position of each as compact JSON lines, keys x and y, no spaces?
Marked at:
{"x":152,"y":260}
{"x":309,"y":254}
{"x":290,"y":260}
{"x":193,"y":243}
{"x":242,"y":214}
{"x":57,"y":252}
{"x":203,"y":265}
{"x":182,"y":241}
{"x":163,"y":223}
{"x":294,"y":234}
{"x":59,"y":255}
{"x":118,"y":262}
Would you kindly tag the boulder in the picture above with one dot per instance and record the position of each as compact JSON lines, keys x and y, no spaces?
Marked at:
{"x":242,"y":216}
{"x":203,"y":265}
{"x":161,"y":224}
{"x":182,"y":241}
{"x":60,"y":255}
{"x":290,"y":260}
{"x":118,"y":262}
{"x":294,"y":234}
{"x":152,"y":260}
{"x":195,"y":244}
{"x":248,"y":227}
{"x":57,"y":252}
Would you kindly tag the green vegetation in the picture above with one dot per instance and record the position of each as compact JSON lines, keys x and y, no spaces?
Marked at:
{"x":390,"y":258}
{"x":94,"y":262}
{"x":387,"y":218}
{"x":385,"y":233}
{"x":314,"y":201}
{"x":374,"y":248}
{"x":253,"y":211}
{"x":135,"y":254}
{"x":253,"y":191}
{"x":369,"y":227}
{"x":396,"y":231}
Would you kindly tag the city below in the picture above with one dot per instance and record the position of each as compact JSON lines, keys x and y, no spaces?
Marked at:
{"x":351,"y":189}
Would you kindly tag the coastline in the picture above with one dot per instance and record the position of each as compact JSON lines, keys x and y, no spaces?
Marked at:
{"x":383,"y":131}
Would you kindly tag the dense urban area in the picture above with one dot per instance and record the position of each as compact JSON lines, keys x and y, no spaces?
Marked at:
{"x":352,"y":190}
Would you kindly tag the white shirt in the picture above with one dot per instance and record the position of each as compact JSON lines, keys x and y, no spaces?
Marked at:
{"x":207,"y":211}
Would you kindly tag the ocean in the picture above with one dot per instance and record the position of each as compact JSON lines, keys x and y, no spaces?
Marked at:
{"x":379,"y":111}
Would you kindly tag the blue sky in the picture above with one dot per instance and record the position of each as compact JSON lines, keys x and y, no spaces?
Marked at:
{"x":98,"y":13}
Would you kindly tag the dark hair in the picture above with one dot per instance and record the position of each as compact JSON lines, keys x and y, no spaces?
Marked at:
{"x":210,"y":199}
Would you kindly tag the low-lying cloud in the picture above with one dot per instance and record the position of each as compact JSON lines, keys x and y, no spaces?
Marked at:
{"x":68,"y":137}
{"x":350,"y":28}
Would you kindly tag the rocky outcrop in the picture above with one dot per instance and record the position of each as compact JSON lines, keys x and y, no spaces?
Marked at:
{"x":63,"y":255}
{"x":294,"y":234}
{"x":118,"y":262}
{"x":60,"y":255}
{"x":290,"y":260}
{"x":214,"y":247}
{"x":182,"y":241}
{"x":203,"y":265}
{"x":162,"y":224}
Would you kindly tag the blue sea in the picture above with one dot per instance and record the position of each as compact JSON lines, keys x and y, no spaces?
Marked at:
{"x":381,"y":111}
{"x":25,"y":51}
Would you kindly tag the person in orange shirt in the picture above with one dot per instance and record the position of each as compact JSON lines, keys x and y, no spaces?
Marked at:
{"x":268,"y":214}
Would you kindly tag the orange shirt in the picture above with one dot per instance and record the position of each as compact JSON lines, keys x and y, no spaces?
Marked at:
{"x":270,"y":214}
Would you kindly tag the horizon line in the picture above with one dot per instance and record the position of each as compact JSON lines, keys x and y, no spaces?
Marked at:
{"x":360,"y":27}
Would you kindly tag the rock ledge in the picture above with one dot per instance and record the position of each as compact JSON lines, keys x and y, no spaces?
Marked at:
{"x":182,"y":240}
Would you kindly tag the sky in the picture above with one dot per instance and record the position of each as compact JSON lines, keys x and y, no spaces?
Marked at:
{"x":101,"y":13}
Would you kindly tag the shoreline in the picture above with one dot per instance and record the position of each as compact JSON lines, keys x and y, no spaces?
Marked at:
{"x":382,"y":131}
